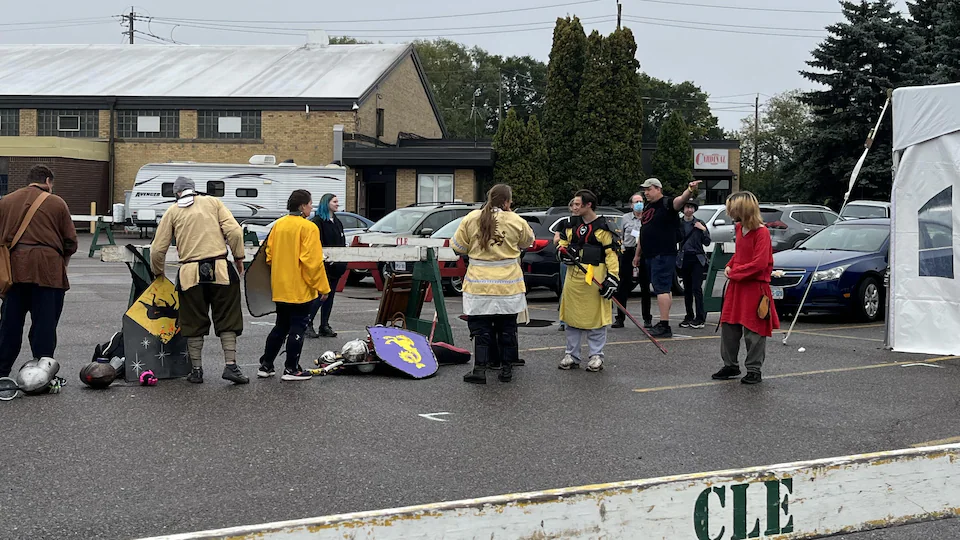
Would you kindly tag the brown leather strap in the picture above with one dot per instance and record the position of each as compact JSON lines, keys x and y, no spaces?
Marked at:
{"x":26,"y":219}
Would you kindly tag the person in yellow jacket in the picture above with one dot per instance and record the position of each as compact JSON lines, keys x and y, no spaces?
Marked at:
{"x":494,"y":293}
{"x":297,"y":278}
{"x":585,"y":308}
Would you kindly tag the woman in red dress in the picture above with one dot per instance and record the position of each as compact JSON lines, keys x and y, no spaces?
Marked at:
{"x":748,"y":275}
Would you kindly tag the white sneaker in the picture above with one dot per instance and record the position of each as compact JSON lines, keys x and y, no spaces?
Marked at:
{"x":595,"y":363}
{"x":568,"y":362}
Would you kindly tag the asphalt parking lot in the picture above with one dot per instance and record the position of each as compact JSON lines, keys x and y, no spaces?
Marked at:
{"x":135,"y":461}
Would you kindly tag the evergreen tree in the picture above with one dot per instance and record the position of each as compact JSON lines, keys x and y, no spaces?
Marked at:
{"x":861,"y":60}
{"x":560,"y":111}
{"x":535,"y":193}
{"x":673,"y":161}
{"x":594,"y":145}
{"x":925,"y":23}
{"x":625,"y":123}
{"x":946,"y":43}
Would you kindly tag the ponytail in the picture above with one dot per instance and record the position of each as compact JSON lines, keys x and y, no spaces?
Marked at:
{"x":497,"y":198}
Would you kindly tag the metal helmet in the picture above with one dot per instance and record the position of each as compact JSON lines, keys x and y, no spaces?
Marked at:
{"x":35,"y":375}
{"x":328,"y":357}
{"x":354,"y":351}
{"x":8,"y":389}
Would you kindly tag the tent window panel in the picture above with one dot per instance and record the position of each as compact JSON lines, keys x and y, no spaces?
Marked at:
{"x":936,"y":236}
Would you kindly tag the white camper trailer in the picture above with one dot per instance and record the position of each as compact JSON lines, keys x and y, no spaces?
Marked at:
{"x":255,"y":193}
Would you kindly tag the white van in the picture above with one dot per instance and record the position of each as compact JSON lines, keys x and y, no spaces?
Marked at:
{"x":255,"y":193}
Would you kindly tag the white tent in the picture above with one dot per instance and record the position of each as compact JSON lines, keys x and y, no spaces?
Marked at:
{"x":923,"y":301}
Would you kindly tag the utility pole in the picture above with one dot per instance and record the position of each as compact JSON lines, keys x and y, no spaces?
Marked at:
{"x":130,"y":18}
{"x":756,"y":135}
{"x":619,"y":13}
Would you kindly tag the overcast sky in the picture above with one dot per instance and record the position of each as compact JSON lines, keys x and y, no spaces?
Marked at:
{"x":731,"y":67}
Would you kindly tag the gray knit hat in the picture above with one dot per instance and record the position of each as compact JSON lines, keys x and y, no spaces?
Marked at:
{"x":182,"y":183}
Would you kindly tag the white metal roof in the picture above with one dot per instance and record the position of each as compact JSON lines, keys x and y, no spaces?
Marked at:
{"x":142,"y":70}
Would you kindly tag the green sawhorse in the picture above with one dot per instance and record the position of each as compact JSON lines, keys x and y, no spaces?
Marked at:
{"x":713,"y":303}
{"x":428,"y":272}
{"x":104,"y":227}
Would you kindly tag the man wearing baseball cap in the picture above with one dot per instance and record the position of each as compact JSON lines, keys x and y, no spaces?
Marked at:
{"x":660,"y":223}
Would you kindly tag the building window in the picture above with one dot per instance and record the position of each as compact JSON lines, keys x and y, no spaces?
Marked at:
{"x":434,"y":188}
{"x":9,"y":122}
{"x":148,"y":124}
{"x":379,"y":122}
{"x":246,"y":192}
{"x":217,"y":188}
{"x":228,"y":124}
{"x":935,"y":228}
{"x":68,"y":123}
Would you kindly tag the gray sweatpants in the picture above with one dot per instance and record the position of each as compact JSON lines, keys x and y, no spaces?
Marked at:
{"x":596,"y":339}
{"x":730,"y":335}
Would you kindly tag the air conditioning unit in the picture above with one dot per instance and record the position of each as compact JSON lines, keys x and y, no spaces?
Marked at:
{"x":261,"y":159}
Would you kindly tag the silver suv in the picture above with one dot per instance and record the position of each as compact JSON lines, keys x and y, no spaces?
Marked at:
{"x":789,"y":224}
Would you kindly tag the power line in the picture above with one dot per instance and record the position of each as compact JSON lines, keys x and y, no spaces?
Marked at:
{"x":744,"y":32}
{"x":638,"y":19}
{"x":743,"y":8}
{"x":394,"y":19}
{"x":57,"y":21}
{"x":161,"y":20}
{"x":55,"y":26}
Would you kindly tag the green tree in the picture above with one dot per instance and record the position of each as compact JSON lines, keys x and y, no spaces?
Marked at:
{"x":536,"y":192}
{"x":784,"y":124}
{"x":347,"y":40}
{"x":625,"y":117}
{"x":673,"y":161}
{"x":662,"y":98}
{"x":857,"y":64}
{"x":564,"y":76}
{"x":935,"y":25}
{"x":513,"y":164}
{"x":469,"y":83}
{"x":595,"y":146}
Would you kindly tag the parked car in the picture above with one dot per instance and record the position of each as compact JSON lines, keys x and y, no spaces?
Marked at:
{"x":414,"y":221}
{"x":865,"y":209}
{"x":789,"y":224}
{"x":853,"y":259}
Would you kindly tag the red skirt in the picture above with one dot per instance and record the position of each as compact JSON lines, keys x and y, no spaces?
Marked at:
{"x":740,"y":304}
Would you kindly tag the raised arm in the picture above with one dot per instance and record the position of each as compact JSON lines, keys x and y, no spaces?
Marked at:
{"x":678,"y":202}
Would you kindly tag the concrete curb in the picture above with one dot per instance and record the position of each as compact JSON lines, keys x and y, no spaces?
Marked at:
{"x":809,"y":499}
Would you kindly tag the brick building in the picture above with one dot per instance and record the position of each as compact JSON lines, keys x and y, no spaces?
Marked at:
{"x":97,"y":113}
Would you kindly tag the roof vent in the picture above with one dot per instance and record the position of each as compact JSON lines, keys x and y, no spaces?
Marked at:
{"x":261,"y":159}
{"x":287,"y":163}
{"x":318,"y":38}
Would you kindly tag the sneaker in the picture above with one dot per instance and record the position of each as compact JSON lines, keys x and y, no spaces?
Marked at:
{"x":295,"y":375}
{"x":662,"y":330}
{"x":266,"y":371}
{"x":697,"y":324}
{"x":231,"y":372}
{"x":562,"y":327}
{"x":195,"y":376}
{"x":326,"y":331}
{"x":617,"y":324}
{"x":311,"y":332}
{"x":569,"y":362}
{"x":687,"y":323}
{"x":752,"y":377}
{"x":595,"y":364}
{"x":727,"y":372}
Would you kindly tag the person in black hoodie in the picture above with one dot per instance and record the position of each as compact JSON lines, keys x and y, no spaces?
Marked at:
{"x":691,"y":264}
{"x":331,"y":235}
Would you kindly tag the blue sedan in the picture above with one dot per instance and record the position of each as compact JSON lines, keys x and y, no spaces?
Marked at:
{"x":852,"y":257}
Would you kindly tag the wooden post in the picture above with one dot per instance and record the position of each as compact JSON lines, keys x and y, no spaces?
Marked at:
{"x":93,"y":212}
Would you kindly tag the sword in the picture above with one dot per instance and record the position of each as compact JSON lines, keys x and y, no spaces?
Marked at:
{"x":325,"y":370}
{"x":619,"y":305}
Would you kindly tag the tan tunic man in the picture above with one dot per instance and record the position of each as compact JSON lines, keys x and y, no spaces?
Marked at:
{"x":205,"y":281}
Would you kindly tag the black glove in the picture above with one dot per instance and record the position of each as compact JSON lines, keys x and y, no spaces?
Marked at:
{"x":609,"y":287}
{"x":568,"y":255}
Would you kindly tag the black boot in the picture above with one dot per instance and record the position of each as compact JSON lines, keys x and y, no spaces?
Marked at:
{"x":506,"y":372}
{"x":510,"y":352}
{"x":479,"y":373}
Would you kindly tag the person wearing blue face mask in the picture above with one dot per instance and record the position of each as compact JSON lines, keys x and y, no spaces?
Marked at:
{"x":633,"y":272}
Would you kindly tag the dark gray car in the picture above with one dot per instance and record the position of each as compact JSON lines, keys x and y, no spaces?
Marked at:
{"x":789,"y":224}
